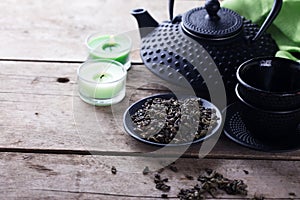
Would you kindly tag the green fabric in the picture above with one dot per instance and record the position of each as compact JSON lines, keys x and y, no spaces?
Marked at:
{"x":286,"y":27}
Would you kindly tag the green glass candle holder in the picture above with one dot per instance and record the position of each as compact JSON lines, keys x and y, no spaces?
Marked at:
{"x":101,"y":82}
{"x":112,"y":47}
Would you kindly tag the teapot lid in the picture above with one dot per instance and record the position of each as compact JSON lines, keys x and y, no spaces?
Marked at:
{"x":212,"y":22}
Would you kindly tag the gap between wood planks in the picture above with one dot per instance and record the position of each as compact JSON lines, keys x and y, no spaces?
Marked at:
{"x":103,"y":194}
{"x":138,"y":154}
{"x":133,"y":196}
{"x":56,"y":61}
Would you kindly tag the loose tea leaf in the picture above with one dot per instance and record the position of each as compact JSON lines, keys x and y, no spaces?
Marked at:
{"x":171,"y":120}
{"x":160,"y":183}
{"x":160,"y":170}
{"x":258,"y":197}
{"x":146,"y":170}
{"x":173,"y":168}
{"x":113,"y":170}
{"x":192,"y":193}
{"x":189,"y":177}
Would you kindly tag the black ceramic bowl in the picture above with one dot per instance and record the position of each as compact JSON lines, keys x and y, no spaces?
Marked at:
{"x":129,"y":125}
{"x":270,"y":83}
{"x":266,"y":124}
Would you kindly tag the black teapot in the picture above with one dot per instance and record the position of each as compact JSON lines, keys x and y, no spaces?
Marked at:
{"x":228,"y":38}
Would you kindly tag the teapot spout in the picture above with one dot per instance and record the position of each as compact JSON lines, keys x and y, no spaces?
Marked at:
{"x":145,"y":21}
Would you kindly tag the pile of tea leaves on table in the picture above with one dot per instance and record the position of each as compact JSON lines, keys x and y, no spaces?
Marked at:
{"x":209,"y":183}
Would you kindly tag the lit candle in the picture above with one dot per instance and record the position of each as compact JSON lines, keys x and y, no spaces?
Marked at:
{"x":101,"y":82}
{"x":113,"y":47}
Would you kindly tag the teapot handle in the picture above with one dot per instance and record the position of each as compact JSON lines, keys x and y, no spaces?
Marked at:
{"x":268,"y":21}
{"x":171,"y":8}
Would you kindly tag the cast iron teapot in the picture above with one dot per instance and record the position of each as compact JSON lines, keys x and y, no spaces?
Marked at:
{"x":228,"y":38}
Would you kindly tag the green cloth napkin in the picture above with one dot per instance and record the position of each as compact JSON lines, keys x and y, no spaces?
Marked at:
{"x":285,"y":29}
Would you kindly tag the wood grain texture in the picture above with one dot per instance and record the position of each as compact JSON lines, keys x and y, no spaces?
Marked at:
{"x":56,"y":30}
{"x":47,"y":133}
{"x":40,"y":114}
{"x":84,"y":177}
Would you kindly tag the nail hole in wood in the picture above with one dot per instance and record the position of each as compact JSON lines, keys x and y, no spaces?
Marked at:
{"x":62,"y":80}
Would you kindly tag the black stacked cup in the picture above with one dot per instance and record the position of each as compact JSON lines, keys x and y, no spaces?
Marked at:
{"x":269,"y":95}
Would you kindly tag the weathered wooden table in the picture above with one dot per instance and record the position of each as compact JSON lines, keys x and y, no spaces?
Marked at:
{"x":55,"y":146}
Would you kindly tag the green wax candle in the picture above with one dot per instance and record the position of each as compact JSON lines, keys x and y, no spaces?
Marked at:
{"x":110,"y":47}
{"x":101,"y":81}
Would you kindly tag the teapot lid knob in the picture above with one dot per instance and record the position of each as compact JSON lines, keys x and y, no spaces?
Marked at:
{"x":212,"y":7}
{"x":212,"y":22}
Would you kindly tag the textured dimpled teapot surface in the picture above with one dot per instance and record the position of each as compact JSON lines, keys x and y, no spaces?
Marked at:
{"x":172,"y":55}
{"x":168,"y":53}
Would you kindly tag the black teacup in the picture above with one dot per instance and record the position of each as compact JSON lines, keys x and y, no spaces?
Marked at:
{"x":266,"y":124}
{"x":270,"y":83}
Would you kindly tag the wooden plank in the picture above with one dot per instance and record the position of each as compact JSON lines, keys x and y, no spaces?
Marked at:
{"x":37,"y":76}
{"x":40,"y":114}
{"x":83,"y":177}
{"x":56,"y":30}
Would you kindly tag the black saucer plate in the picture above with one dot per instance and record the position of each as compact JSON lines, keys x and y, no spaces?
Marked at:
{"x":236,"y":130}
{"x":129,"y":126}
